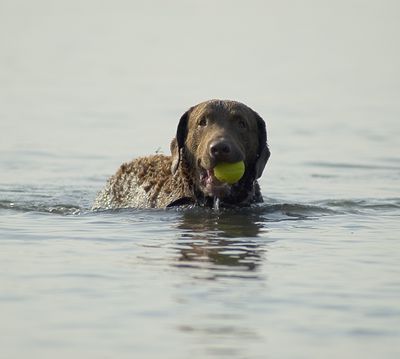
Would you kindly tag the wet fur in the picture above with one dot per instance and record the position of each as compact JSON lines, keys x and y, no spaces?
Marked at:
{"x":161,"y":181}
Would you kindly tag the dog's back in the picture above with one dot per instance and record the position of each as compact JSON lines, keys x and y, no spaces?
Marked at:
{"x":145,"y":182}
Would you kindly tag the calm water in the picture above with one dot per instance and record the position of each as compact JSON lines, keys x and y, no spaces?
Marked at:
{"x":313,"y":272}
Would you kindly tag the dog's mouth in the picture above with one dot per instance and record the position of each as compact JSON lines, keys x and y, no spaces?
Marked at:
{"x":211,"y":186}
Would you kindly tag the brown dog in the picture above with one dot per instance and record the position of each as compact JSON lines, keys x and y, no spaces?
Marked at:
{"x":208,"y":133}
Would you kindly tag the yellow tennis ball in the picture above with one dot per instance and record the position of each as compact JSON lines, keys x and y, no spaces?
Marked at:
{"x":229,"y":172}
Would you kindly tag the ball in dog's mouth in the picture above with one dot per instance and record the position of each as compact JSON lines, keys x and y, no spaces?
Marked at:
{"x":229,"y":172}
{"x":211,"y":186}
{"x":217,"y":181}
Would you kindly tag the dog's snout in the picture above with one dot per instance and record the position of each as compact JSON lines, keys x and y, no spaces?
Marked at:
{"x":220,"y":149}
{"x":224,"y":150}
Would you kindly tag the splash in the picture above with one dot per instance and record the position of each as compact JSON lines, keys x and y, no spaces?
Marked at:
{"x":216,"y":204}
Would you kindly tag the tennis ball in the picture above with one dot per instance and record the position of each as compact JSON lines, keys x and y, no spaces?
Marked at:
{"x":229,"y":172}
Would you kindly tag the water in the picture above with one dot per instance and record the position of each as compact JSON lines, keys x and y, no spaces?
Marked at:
{"x":312,"y":272}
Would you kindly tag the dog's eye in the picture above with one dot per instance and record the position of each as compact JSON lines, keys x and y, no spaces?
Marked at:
{"x":203,"y":122}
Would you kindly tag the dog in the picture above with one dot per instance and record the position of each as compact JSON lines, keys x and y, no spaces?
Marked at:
{"x":209,"y":133}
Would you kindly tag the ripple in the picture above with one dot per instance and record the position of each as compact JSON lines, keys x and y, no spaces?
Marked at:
{"x":56,"y":208}
{"x":63,"y":200}
{"x":286,"y":210}
{"x":361,"y":205}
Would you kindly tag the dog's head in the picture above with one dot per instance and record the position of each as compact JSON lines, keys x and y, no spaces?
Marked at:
{"x":220,"y":131}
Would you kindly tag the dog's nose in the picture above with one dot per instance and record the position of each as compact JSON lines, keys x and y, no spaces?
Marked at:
{"x":220,"y":150}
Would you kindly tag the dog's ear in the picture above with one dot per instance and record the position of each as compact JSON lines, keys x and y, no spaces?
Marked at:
{"x":178,"y":142}
{"x":263,"y":152}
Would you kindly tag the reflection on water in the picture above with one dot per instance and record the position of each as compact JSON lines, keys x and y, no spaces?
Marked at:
{"x":225,"y":224}
{"x":222,"y":238}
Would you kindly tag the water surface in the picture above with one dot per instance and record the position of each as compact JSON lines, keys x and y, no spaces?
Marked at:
{"x":312,"y":272}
